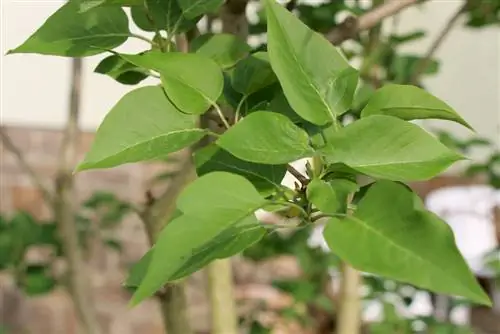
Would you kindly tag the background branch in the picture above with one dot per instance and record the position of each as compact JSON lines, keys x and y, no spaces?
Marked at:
{"x":351,"y":25}
{"x":423,"y":64}
{"x":21,"y":160}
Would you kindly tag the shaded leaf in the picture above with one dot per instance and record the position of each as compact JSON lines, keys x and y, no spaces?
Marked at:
{"x":162,"y":15}
{"x":398,"y":240}
{"x":409,"y":103}
{"x":389,"y":148}
{"x":121,"y":70}
{"x":253,"y":73}
{"x":143,"y":125}
{"x":265,"y":137}
{"x":191,"y":81}
{"x":70,"y":33}
{"x":265,"y":178}
{"x":225,"y":49}
{"x":316,"y":78}
{"x":209,"y":212}
{"x":194,"y":8}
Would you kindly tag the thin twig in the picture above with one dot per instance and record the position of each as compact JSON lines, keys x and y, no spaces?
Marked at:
{"x":221,"y":116}
{"x":301,"y":178}
{"x":35,"y":178}
{"x":422,"y":65}
{"x":351,"y":26}
{"x":145,"y":39}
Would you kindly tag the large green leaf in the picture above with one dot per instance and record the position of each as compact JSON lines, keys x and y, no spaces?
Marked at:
{"x":143,"y":125}
{"x":389,"y":148}
{"x":194,"y":8}
{"x":228,"y":243}
{"x":192,"y":82}
{"x":121,"y":70}
{"x":253,"y":73}
{"x":409,"y":103}
{"x":225,"y":49}
{"x":86,"y":5}
{"x":394,"y":236}
{"x":71,"y":33}
{"x":162,"y":15}
{"x":316,"y":78}
{"x":212,"y":205}
{"x":266,"y":137}
{"x":265,"y":178}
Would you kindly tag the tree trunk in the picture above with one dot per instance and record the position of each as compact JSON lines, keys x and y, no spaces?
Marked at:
{"x":349,"y":311}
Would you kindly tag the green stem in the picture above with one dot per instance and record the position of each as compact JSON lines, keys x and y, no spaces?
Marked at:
{"x":221,"y":116}
{"x":238,"y":108}
{"x":144,"y":38}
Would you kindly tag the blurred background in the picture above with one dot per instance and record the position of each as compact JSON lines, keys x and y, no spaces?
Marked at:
{"x":284,"y":283}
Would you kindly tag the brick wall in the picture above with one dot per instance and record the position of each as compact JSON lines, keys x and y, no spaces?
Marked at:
{"x":54,"y":314}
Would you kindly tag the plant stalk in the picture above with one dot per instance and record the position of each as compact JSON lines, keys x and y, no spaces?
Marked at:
{"x":64,"y":211}
{"x":220,"y":290}
{"x":349,"y":307}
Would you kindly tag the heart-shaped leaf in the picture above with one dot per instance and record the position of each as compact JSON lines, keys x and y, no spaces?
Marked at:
{"x":212,"y":207}
{"x":392,"y":235}
{"x":71,"y":33}
{"x":143,"y":125}
{"x":266,"y":137}
{"x":192,"y":82}
{"x":317,"y":80}
{"x":409,"y":103}
{"x":389,"y":148}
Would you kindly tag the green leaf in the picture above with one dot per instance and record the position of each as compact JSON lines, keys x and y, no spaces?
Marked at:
{"x":389,"y":148}
{"x":253,"y":73}
{"x":212,"y":205}
{"x":391,"y":236}
{"x":225,"y":49}
{"x":193,"y":8}
{"x":36,"y":280}
{"x":86,"y":5}
{"x":143,"y":125}
{"x":162,"y":15}
{"x":280,"y":105}
{"x":71,"y":33}
{"x":330,"y":197}
{"x":266,"y":137}
{"x":409,"y":103}
{"x":228,"y":243}
{"x":121,"y":70}
{"x":316,"y":78}
{"x":192,"y":82}
{"x":265,"y":178}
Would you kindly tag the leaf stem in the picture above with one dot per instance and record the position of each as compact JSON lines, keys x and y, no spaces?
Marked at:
{"x":238,"y":108}
{"x":221,"y":116}
{"x":145,"y":39}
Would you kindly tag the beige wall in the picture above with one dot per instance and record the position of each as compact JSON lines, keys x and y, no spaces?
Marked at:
{"x":34,"y":90}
